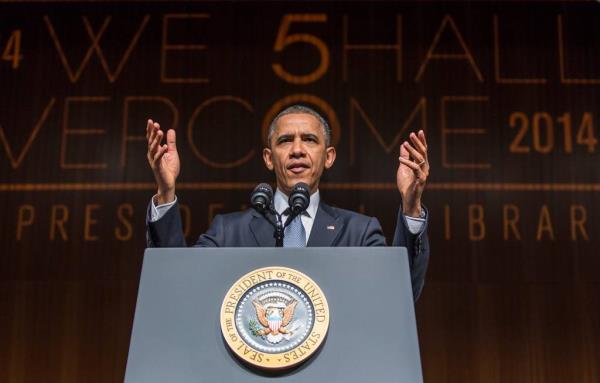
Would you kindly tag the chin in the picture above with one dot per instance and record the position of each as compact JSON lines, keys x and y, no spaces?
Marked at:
{"x":293,"y":181}
{"x":296,"y":180}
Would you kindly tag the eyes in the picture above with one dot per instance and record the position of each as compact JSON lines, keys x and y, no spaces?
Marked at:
{"x":287,"y":138}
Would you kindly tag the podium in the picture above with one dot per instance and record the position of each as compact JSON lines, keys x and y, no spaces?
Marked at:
{"x":372,"y":333}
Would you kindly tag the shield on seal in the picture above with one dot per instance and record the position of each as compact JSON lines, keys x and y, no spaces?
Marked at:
{"x":274,"y":322}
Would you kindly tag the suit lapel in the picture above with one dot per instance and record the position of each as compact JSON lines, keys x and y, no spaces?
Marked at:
{"x":326,"y":227}
{"x":262,"y":230}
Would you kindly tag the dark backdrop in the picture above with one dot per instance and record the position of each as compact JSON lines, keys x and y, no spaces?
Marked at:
{"x":506,"y":91}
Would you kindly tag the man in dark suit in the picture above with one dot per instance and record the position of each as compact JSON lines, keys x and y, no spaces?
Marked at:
{"x":299,"y":151}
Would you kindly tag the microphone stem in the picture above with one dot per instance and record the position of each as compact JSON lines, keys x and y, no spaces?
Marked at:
{"x":279,"y":229}
{"x":274,"y":219}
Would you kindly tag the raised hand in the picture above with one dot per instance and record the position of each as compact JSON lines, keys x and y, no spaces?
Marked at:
{"x":412,"y":174}
{"x":163,"y":160}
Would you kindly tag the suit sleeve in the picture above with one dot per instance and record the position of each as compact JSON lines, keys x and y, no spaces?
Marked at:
{"x":167,"y":231}
{"x":417,"y":246}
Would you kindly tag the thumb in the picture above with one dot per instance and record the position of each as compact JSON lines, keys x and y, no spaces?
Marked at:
{"x":171,"y":146}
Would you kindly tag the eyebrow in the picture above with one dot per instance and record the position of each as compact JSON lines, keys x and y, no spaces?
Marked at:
{"x":287,"y":136}
{"x":310,"y":135}
{"x":284,"y":137}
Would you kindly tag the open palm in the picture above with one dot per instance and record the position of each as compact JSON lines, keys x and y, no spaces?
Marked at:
{"x":163,"y":159}
{"x":412,"y":173}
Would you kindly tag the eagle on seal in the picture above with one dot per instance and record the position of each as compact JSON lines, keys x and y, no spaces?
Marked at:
{"x":275,"y":319}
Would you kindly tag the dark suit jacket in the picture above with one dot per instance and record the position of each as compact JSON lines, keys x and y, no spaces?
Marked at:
{"x":249,"y":228}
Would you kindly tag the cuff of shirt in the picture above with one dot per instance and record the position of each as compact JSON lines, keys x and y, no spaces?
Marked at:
{"x":415,"y":225}
{"x":157,"y":212}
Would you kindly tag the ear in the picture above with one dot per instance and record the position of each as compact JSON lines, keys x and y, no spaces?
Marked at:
{"x":329,"y":157}
{"x":267,"y":158}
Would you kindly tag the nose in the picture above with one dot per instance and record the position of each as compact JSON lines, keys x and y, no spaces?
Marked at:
{"x":297,"y":149}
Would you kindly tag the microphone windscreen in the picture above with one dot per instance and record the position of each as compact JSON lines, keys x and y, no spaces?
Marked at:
{"x":299,"y":198}
{"x":261,"y":196}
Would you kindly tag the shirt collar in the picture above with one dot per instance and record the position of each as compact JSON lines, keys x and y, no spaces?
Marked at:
{"x":280,"y":203}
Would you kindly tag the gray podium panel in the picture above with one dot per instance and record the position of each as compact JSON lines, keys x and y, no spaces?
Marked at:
{"x":372,"y":333}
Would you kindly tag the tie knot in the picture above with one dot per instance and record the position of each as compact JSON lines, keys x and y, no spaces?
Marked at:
{"x":287,"y":212}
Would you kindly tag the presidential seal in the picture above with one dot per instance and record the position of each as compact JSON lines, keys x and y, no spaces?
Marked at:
{"x":274,"y":317}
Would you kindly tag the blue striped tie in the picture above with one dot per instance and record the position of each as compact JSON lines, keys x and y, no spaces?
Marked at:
{"x":295,"y":235}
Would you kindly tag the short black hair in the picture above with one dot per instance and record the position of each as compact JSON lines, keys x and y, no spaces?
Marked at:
{"x":301,"y":109}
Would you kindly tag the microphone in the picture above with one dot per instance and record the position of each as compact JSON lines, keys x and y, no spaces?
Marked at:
{"x":261,"y":197}
{"x":299,"y":198}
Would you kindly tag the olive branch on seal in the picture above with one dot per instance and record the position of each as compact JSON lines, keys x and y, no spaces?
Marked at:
{"x":254,"y":328}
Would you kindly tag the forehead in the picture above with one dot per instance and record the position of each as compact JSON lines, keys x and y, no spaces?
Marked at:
{"x":298,"y":122}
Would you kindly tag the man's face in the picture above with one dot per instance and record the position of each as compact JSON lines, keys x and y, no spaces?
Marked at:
{"x":298,"y":152}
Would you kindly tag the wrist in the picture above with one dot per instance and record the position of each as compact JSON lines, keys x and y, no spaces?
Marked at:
{"x":411,"y":206}
{"x":414,"y":212}
{"x":164,"y":196}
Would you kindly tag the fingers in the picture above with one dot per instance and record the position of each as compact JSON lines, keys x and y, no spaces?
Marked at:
{"x":159,"y":153}
{"x":149,"y":129}
{"x":419,"y":172}
{"x":415,"y":156}
{"x":151,"y":132}
{"x":418,"y":157}
{"x":152,"y":128}
{"x":404,"y":152}
{"x":419,"y":142}
{"x":417,"y":151}
{"x":411,"y":164}
{"x":422,"y":138}
{"x":154,"y":136}
{"x":155,"y":143}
